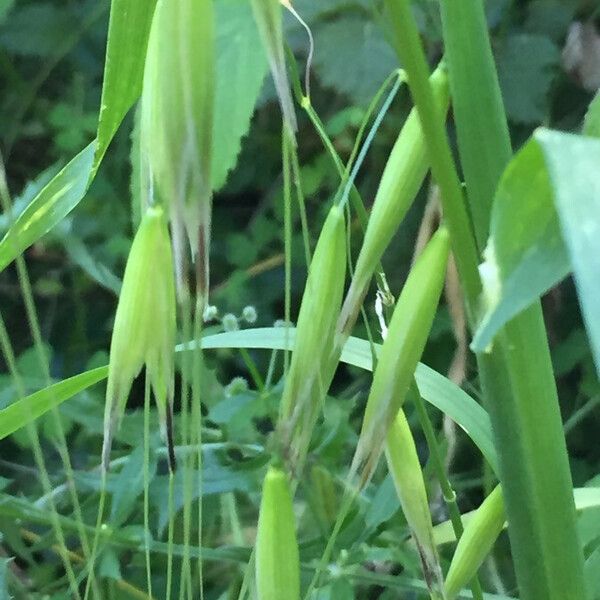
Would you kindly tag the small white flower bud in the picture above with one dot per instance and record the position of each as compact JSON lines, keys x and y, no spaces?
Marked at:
{"x":230,"y":322}
{"x":210,"y":313}
{"x":249,"y":314}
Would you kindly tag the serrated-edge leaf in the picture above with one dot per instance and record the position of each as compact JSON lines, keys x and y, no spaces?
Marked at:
{"x":240,"y":72}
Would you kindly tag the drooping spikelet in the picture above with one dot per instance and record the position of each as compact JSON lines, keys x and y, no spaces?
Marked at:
{"x":319,"y":311}
{"x":177,"y":124}
{"x":268,"y":17}
{"x":144,"y":328}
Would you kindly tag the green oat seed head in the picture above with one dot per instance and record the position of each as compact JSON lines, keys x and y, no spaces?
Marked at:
{"x":144,"y":328}
{"x":476,"y":542}
{"x":319,"y":311}
{"x":268,"y":17}
{"x":177,"y":123}
{"x":402,"y":178}
{"x":405,"y":469}
{"x":401,"y":351}
{"x":277,"y":557}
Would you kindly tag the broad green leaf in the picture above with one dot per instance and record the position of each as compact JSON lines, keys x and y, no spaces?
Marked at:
{"x":128,"y":486}
{"x":128,"y":31}
{"x":241,"y":69}
{"x":353,"y":57}
{"x":5,"y":6}
{"x":99,"y":272}
{"x":527,"y":64}
{"x":50,"y":206}
{"x":37,"y":28}
{"x":545,"y":222}
{"x":26,"y":410}
{"x":525,"y":255}
{"x":573,"y":164}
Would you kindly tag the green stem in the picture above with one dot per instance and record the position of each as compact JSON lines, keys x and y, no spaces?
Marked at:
{"x":252,"y":369}
{"x":517,"y":375}
{"x":196,"y":436}
{"x":408,"y":45}
{"x":170,"y":541}
{"x":147,"y":484}
{"x":186,"y":378}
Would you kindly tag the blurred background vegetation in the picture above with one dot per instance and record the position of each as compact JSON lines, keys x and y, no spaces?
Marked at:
{"x":51,"y":64}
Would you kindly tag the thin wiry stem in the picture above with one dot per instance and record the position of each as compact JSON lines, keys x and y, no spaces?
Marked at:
{"x":196,"y":436}
{"x":186,"y":379}
{"x":147,"y":484}
{"x":9,"y":358}
{"x":34,"y":326}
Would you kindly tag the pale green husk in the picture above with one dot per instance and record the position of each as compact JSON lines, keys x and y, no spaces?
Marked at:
{"x":476,"y":542}
{"x":318,"y":315}
{"x":277,"y":557}
{"x":177,"y":119}
{"x":145,"y":324}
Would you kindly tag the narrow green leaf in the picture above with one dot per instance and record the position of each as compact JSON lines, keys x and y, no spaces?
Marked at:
{"x":125,"y":53}
{"x":26,"y":410}
{"x":50,"y":206}
{"x":434,"y":387}
{"x":128,"y":31}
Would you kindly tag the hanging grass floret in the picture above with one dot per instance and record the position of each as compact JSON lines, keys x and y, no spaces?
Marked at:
{"x":144,"y":329}
{"x":177,"y":126}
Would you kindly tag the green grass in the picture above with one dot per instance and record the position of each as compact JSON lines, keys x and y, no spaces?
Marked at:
{"x":279,"y":490}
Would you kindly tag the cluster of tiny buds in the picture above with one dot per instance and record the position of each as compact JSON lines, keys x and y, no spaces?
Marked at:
{"x":230,"y":321}
{"x":237,"y":385}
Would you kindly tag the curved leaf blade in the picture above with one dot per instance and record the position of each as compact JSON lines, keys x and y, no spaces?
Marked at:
{"x":54,"y":202}
{"x":434,"y":387}
{"x":26,"y":410}
{"x":545,"y":223}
